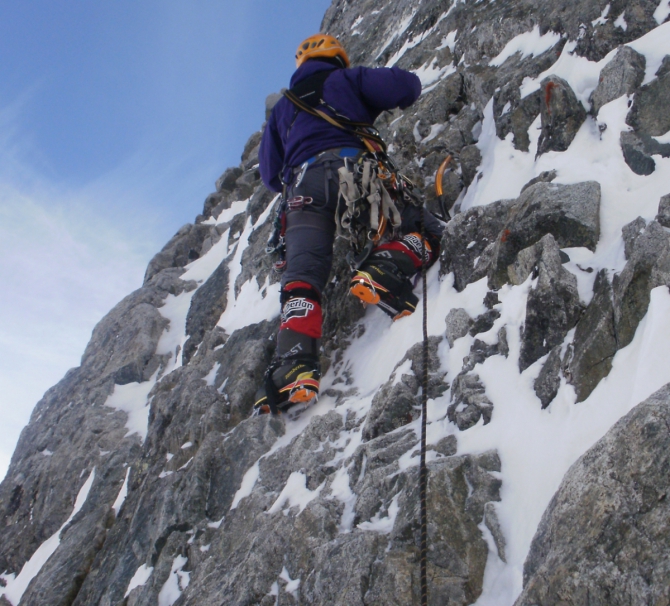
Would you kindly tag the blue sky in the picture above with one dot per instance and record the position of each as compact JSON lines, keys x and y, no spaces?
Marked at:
{"x":116,"y":118}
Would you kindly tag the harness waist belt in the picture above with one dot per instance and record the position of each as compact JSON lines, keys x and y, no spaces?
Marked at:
{"x":342,"y":152}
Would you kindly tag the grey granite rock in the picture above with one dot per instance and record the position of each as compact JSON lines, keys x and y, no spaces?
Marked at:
{"x":458,"y":324}
{"x":466,"y":238}
{"x":515,"y":115}
{"x":553,"y":307}
{"x":648,"y":115}
{"x":549,"y":380}
{"x":207,"y":305}
{"x":470,"y":158}
{"x":493,"y":524}
{"x":562,"y":115}
{"x":546,"y":176}
{"x":184,"y":247}
{"x":623,"y":75}
{"x":590,"y":356}
{"x":469,"y":402}
{"x":648,"y":267}
{"x":603,"y":539}
{"x":226,"y":182}
{"x":479,"y":352}
{"x":663,"y":216}
{"x":638,"y":150}
{"x":484,"y":322}
{"x":571,"y":213}
{"x":630,"y":233}
{"x":397,"y":402}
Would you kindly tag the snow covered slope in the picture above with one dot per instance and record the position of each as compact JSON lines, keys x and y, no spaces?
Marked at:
{"x":141,"y":478}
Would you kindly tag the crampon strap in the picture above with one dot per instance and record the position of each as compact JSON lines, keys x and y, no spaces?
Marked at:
{"x":271,"y":391}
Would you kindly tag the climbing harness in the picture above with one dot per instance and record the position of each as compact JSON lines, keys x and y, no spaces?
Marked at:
{"x":372,"y":190}
{"x":371,"y":196}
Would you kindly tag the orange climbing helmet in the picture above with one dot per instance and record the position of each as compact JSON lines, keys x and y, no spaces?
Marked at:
{"x":320,"y":45}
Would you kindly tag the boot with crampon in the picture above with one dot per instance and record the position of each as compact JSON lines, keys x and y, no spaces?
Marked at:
{"x":384,"y":279}
{"x":287,"y":382}
{"x":294,"y":375}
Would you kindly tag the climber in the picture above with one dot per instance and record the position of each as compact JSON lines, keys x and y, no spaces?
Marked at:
{"x":300,"y":154}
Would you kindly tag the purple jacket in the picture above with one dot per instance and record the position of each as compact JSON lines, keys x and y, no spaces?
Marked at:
{"x":359,"y":93}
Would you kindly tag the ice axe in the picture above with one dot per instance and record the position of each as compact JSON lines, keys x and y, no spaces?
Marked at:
{"x":438,"y":187}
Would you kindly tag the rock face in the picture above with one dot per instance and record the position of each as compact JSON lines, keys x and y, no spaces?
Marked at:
{"x":553,"y":306}
{"x":396,"y":403}
{"x":603,"y":539}
{"x":623,"y":75}
{"x":562,"y":115}
{"x":648,"y":120}
{"x":184,"y":498}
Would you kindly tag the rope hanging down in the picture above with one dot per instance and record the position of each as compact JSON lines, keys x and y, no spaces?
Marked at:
{"x":423,"y":471}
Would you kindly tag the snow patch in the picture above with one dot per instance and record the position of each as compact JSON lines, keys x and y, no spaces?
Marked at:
{"x":216,"y":525}
{"x":139,"y":579}
{"x":654,"y":45}
{"x":248,"y":482}
{"x":430,"y":73}
{"x":228,"y":214}
{"x":211,"y":375}
{"x":621,"y":22}
{"x":530,"y":43}
{"x":123,"y":493}
{"x":292,"y":585}
{"x":662,"y":11}
{"x":253,"y":304}
{"x":412,"y":42}
{"x":296,"y":494}
{"x":175,"y":584}
{"x":449,"y":41}
{"x":603,"y":17}
{"x":399,"y":31}
{"x":383,"y":525}
{"x":537,"y":447}
{"x":341,"y":490}
{"x":133,"y":399}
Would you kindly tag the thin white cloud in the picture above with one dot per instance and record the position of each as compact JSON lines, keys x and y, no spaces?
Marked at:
{"x":63,"y":265}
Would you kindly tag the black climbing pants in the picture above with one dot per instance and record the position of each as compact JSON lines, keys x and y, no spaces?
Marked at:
{"x":310,"y":230}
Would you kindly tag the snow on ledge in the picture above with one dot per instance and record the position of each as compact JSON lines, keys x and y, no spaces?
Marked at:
{"x":296,"y":493}
{"x":383,"y":525}
{"x":140,"y":577}
{"x":528,"y":43}
{"x":123,"y":493}
{"x":662,"y":11}
{"x":175,"y":584}
{"x":292,"y":585}
{"x":132,"y":399}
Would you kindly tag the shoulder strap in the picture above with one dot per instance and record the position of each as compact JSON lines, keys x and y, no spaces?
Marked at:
{"x":310,"y":90}
{"x":307,"y":96}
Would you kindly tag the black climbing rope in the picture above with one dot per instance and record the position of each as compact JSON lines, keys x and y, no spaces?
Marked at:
{"x":423,"y":471}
